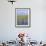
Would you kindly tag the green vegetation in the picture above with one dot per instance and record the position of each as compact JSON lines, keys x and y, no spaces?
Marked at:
{"x":22,"y":17}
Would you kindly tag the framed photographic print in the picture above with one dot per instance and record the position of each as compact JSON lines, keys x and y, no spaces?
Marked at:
{"x":23,"y":17}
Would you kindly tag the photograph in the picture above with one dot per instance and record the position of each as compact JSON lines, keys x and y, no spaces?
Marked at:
{"x":22,"y":22}
{"x":22,"y":16}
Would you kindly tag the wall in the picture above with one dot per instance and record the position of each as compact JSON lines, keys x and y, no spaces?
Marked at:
{"x":8,"y":31}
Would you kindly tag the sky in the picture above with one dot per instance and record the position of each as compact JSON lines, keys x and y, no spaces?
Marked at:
{"x":22,"y":11}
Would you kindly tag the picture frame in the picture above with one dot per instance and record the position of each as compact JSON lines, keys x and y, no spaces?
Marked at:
{"x":22,"y":17}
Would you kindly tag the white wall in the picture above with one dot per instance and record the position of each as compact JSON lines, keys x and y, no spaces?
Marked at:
{"x":8,"y":31}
